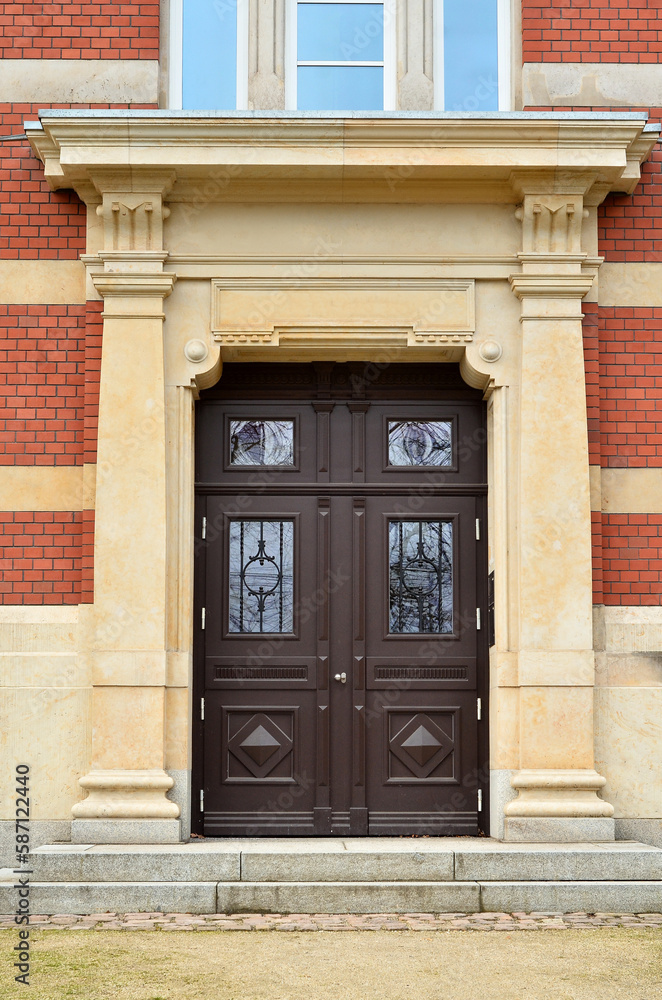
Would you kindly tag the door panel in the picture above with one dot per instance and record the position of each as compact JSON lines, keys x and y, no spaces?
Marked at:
{"x":339,"y":655}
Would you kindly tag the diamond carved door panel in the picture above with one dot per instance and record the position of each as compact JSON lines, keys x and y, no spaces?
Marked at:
{"x":338,"y":655}
{"x":259,"y":745}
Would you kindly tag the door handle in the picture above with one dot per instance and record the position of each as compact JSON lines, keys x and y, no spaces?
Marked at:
{"x":341,"y":677}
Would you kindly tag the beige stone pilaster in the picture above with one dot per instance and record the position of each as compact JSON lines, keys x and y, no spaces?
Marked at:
{"x":556,"y":780}
{"x":127,"y":782}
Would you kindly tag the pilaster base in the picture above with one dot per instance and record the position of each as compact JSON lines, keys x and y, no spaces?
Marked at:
{"x":563,"y":830}
{"x":125,"y":831}
{"x":127,"y":795}
{"x":558,"y":806}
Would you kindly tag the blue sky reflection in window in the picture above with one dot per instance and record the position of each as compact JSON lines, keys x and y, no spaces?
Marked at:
{"x":209,"y":54}
{"x":470,"y":55}
{"x":340,"y":56}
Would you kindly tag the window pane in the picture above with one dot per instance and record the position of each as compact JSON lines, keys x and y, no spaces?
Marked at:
{"x":419,"y":442}
{"x":470,"y":55}
{"x":340,"y":88}
{"x":421,"y":576}
{"x":262,"y":442}
{"x":261,"y":581}
{"x":340,"y":32}
{"x":209,"y":70}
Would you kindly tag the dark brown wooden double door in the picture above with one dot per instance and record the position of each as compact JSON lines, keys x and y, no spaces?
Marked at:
{"x":339,"y":642}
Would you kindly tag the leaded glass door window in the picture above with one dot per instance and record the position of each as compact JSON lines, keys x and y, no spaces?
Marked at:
{"x":420,"y":577}
{"x":261,"y":576}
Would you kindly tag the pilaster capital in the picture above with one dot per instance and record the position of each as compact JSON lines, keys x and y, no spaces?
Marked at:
{"x":551,"y":285}
{"x":134,"y":284}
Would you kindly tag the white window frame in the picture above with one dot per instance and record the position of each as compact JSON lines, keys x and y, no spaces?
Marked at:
{"x":504,"y":28}
{"x":388,"y":64}
{"x":176,"y":54}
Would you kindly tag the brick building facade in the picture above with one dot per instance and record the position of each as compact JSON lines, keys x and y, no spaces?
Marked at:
{"x":75,"y":265}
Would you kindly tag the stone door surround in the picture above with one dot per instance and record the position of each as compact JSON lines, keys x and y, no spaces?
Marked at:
{"x":550,"y":171}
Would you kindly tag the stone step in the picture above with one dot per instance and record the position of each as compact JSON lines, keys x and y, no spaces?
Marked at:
{"x":338,"y":897}
{"x":351,"y":860}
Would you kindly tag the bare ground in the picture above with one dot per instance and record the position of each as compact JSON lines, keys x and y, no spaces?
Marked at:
{"x":599,"y":964}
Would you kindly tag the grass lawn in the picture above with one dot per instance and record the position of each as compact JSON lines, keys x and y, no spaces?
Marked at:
{"x":600,"y":964}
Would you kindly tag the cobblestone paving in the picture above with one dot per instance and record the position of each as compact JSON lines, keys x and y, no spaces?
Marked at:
{"x":342,"y":922}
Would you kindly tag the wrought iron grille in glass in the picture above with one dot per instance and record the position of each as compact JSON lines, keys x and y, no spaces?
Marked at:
{"x":421,"y":576}
{"x":420,"y":442}
{"x":261,"y":584}
{"x":262,"y":442}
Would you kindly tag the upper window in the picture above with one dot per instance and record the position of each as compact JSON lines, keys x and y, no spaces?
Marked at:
{"x":209,"y":54}
{"x":340,"y":55}
{"x":472,"y":55}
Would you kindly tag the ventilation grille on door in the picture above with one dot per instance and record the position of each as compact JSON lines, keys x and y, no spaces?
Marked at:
{"x":420,"y":673}
{"x":262,"y":673}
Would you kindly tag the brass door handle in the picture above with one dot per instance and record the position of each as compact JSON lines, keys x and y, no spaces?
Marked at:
{"x":341,"y":677}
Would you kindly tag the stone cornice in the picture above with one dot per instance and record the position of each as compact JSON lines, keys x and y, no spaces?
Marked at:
{"x":396,"y":153}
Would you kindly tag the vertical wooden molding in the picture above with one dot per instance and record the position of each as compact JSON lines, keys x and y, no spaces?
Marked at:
{"x":323,"y":752}
{"x":358,"y":812}
{"x":359,"y":572}
{"x":323,"y":411}
{"x":323,"y":570}
{"x":358,"y":770}
{"x":322,"y":809}
{"x":358,"y":411}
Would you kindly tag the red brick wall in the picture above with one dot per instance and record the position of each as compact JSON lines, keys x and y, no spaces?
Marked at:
{"x":626,"y":31}
{"x":35,"y":222}
{"x":592,"y":375}
{"x":87,"y":558}
{"x":93,"y":335}
{"x":111,"y":30}
{"x":623,"y":365}
{"x":623,"y":361}
{"x":596,"y":550}
{"x":630,"y":226}
{"x":632,"y":558}
{"x":42,"y":372}
{"x":630,"y":387}
{"x":40,"y":557}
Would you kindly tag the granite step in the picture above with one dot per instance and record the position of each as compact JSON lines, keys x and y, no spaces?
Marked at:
{"x":338,"y":897}
{"x":347,"y":860}
{"x":341,"y":875}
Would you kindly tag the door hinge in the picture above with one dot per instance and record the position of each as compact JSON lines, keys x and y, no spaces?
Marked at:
{"x":202,"y":709}
{"x":203,"y":618}
{"x":479,"y":708}
{"x":203,"y":533}
{"x":480,"y":800}
{"x":477,"y":619}
{"x":202,"y":800}
{"x":477,"y":529}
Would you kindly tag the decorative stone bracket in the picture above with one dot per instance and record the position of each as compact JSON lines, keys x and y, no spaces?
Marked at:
{"x":132,"y":222}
